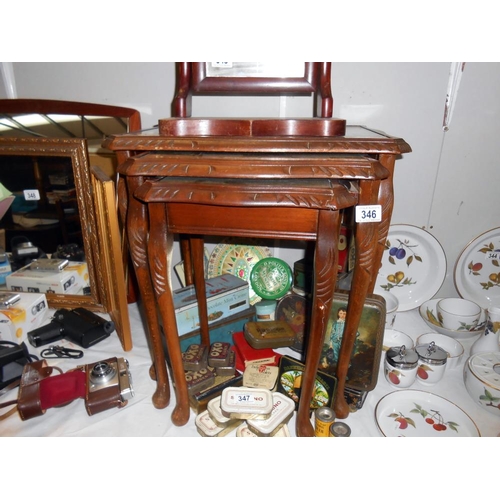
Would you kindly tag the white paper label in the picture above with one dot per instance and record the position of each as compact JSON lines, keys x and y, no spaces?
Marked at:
{"x":31,"y":194}
{"x":368,"y":213}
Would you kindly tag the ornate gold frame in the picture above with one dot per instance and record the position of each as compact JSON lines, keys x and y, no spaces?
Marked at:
{"x":106,"y":282}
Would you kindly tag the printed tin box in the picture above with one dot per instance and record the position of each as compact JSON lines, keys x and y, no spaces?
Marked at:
{"x":246,"y":403}
{"x":283,"y":408}
{"x":226,"y":295}
{"x":271,"y":334}
{"x":221,"y":330}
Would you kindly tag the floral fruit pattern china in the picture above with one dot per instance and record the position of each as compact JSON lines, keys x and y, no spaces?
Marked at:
{"x":477,"y":270}
{"x":413,"y":266}
{"x":412,"y":413}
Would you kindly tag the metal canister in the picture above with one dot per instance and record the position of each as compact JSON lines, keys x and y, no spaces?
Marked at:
{"x":323,"y":419}
{"x":340,"y":429}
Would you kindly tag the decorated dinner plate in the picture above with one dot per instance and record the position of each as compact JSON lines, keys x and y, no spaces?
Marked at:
{"x":413,"y":413}
{"x":233,"y":256}
{"x":413,"y":266}
{"x":428,"y":312}
{"x":477,"y":270}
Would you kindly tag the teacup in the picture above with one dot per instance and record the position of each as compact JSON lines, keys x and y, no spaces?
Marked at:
{"x":391,"y":308}
{"x":458,"y":314}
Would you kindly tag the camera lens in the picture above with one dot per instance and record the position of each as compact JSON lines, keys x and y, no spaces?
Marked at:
{"x":102,"y":372}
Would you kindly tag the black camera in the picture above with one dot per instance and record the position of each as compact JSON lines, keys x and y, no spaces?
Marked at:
{"x":13,"y":358}
{"x":80,"y":326}
{"x":109,"y":385}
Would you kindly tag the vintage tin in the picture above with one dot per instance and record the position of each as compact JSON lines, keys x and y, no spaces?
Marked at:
{"x":261,"y":376}
{"x":199,"y":400}
{"x":340,"y":429}
{"x":244,"y":431}
{"x":215,"y":412}
{"x":219,"y":354}
{"x":195,"y":357}
{"x":283,"y":408}
{"x":207,"y":427}
{"x":323,"y":419}
{"x":271,"y":278}
{"x":265,"y":310}
{"x":229,"y":369}
{"x":270,"y":334}
{"x":246,"y":403}
{"x":199,"y":380}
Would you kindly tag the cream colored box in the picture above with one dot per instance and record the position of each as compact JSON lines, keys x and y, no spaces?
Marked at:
{"x":28,"y":313}
{"x":28,"y":280}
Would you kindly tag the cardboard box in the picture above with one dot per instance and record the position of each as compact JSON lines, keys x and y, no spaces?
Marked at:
{"x":226,"y":295}
{"x":27,"y":280}
{"x":29,"y":313}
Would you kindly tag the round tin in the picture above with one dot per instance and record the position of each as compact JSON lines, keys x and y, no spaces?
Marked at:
{"x":271,"y":278}
{"x":265,"y":310}
{"x":340,"y":429}
{"x":323,"y":419}
{"x":431,"y":363}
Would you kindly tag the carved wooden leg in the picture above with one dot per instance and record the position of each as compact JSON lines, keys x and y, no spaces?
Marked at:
{"x":160,"y":251}
{"x":365,"y":237}
{"x":325,"y":275}
{"x":137,"y":224}
{"x":197,"y":251}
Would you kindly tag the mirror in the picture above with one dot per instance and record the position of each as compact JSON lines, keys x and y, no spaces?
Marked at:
{"x":47,"y":144}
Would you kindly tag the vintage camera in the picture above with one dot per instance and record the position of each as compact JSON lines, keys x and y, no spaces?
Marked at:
{"x":80,"y":326}
{"x":103,"y":385}
{"x":109,"y":385}
{"x":13,"y":358}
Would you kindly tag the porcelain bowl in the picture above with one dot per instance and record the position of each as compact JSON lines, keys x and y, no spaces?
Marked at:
{"x":395,"y":338}
{"x":453,"y":347}
{"x":391,"y":308}
{"x":455,"y":313}
{"x":482,"y":380}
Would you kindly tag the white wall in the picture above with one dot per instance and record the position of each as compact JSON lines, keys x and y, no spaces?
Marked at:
{"x":448,"y":185}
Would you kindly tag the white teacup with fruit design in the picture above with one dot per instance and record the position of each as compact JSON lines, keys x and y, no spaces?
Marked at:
{"x":458,"y":314}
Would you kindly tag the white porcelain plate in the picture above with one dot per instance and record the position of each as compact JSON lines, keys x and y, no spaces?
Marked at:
{"x":413,"y":266}
{"x":411,"y":413}
{"x":477,"y":270}
{"x":237,"y":258}
{"x":428,"y":312}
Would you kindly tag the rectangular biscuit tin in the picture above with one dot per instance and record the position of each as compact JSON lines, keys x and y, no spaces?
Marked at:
{"x":219,"y":354}
{"x":226,"y":295}
{"x":195,"y":357}
{"x":271,"y":334}
{"x":246,"y":403}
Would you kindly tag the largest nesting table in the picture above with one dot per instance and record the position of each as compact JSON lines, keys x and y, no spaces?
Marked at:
{"x":279,"y":187}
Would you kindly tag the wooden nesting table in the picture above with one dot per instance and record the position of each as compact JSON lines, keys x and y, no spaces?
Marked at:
{"x":278,"y":187}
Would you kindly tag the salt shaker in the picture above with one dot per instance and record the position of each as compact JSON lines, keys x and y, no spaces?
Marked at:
{"x":400,"y":366}
{"x":431,"y":363}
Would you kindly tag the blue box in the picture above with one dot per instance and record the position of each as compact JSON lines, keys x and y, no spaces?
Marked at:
{"x":226,"y":296}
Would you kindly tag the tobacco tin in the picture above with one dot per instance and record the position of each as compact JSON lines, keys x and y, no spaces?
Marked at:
{"x":207,"y":427}
{"x":213,"y":408}
{"x":260,"y":376}
{"x":271,"y":334}
{"x":246,"y":403}
{"x":244,"y":431}
{"x":195,"y":357}
{"x":271,"y":278}
{"x":283,"y":408}
{"x":218,"y":355}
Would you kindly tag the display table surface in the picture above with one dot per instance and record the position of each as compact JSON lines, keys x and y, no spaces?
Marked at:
{"x":141,"y":419}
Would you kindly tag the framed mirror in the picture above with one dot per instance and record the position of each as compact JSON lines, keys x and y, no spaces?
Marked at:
{"x":42,"y":140}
